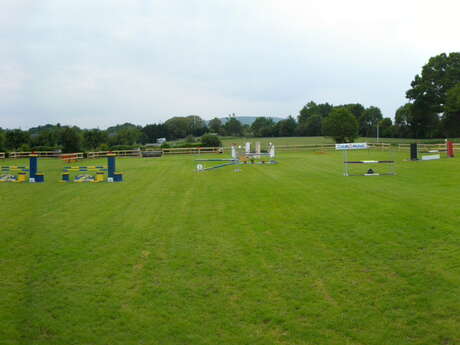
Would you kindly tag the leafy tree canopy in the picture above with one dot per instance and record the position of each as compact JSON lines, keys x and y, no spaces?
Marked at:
{"x":439,"y":75}
{"x":356,"y":109}
{"x":233,"y":127}
{"x":70,"y":139}
{"x":311,"y":108}
{"x":287,"y":128}
{"x":368,"y":121}
{"x":263,"y":126}
{"x":341,"y":125}
{"x":451,"y":118}
{"x":215,"y":125}
{"x":311,"y":127}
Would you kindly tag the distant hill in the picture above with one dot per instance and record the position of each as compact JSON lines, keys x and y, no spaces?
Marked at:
{"x":248,"y":120}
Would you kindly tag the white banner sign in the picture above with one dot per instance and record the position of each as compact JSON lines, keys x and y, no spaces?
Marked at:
{"x":351,"y":146}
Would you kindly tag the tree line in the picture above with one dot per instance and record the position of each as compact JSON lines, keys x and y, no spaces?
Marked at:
{"x":313,"y":120}
{"x":432,"y":111}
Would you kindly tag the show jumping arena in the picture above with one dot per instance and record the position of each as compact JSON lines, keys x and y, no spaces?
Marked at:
{"x":292,"y":253}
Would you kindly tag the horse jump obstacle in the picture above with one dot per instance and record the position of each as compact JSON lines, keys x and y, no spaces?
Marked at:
{"x":34,"y":175}
{"x":71,"y":157}
{"x":112,"y":175}
{"x":247,"y":158}
{"x":370,"y":172}
{"x":432,"y":154}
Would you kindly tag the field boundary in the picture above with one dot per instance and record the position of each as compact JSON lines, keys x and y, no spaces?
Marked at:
{"x":41,"y":154}
{"x":192,"y":150}
{"x":426,"y":147}
{"x":117,"y":153}
{"x":322,"y":147}
{"x":217,"y":150}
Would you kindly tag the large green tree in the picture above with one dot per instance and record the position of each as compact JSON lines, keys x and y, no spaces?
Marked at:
{"x":263,"y":127}
{"x":16,"y":138}
{"x":341,"y":125}
{"x":151,"y":132}
{"x":93,"y":138}
{"x":311,"y":127}
{"x":287,"y":128}
{"x":126,"y":136}
{"x":311,"y":108}
{"x":451,"y":118}
{"x":429,"y":91}
{"x":368,"y":121}
{"x":178,"y":127}
{"x":386,"y":128}
{"x":215,"y":125}
{"x":357,"y":109}
{"x":403,"y":121}
{"x":196,"y":125}
{"x":70,"y":139}
{"x":2,"y":140}
{"x":48,"y":137}
{"x":233,"y":127}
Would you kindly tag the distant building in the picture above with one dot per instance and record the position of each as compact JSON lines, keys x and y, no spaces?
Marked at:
{"x":161,"y":140}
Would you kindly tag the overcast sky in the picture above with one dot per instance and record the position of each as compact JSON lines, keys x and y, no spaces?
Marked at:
{"x":95,"y":63}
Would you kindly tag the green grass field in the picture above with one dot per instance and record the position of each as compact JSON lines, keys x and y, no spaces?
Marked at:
{"x":293,"y":253}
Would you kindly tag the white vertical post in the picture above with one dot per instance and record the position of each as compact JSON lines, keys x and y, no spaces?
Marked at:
{"x":345,"y":165}
{"x":272,"y":151}
{"x":248,"y":147}
{"x":233,"y":151}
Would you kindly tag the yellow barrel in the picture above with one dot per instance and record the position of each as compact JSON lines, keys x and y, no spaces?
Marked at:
{"x":22,"y":177}
{"x":99,"y":177}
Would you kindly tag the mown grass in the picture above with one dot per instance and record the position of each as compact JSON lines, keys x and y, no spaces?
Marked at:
{"x":293,"y":253}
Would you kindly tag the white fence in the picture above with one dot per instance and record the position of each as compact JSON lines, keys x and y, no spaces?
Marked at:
{"x":204,"y":150}
{"x":323,"y":147}
{"x":427,"y":147}
{"x":118,"y":153}
{"x":192,"y":150}
{"x":41,"y":154}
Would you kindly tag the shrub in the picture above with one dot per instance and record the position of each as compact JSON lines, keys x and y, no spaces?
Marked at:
{"x":123,"y":147}
{"x":189,"y":139}
{"x":24,"y":148}
{"x":210,"y":140}
{"x":103,"y":147}
{"x":45,"y":148}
